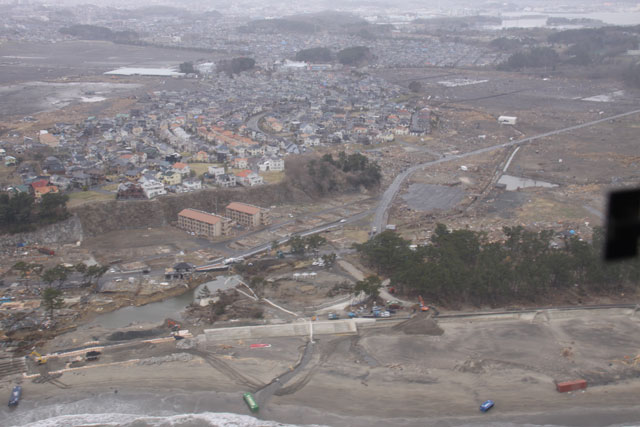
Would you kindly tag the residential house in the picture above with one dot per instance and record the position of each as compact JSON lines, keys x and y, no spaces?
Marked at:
{"x":202,"y":156}
{"x":226,"y":180}
{"x":271,"y":164}
{"x":53,"y":165}
{"x":80,"y":179}
{"x":240,"y":163}
{"x":216,"y":170}
{"x":42,"y":190}
{"x":130,"y":190}
{"x":152,"y":188}
{"x":60,"y":181}
{"x":192,"y":184}
{"x":182,"y":168}
{"x":170,"y":178}
{"x":248,"y":178}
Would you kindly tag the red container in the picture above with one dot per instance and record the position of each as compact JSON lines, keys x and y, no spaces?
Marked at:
{"x":260,"y":345}
{"x":571,"y":386}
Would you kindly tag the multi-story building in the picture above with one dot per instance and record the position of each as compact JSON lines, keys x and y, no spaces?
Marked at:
{"x":248,"y":215}
{"x":203,"y":223}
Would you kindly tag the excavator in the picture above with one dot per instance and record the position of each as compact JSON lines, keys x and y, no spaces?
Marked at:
{"x":40,"y":359}
{"x":423,"y":306}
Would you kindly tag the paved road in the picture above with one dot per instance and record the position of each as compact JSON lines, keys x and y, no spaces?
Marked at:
{"x":382,"y":212}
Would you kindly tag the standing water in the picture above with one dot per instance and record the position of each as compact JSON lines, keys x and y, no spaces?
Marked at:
{"x":158,"y":311}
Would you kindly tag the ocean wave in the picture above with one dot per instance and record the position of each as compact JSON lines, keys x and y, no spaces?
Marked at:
{"x":205,"y":419}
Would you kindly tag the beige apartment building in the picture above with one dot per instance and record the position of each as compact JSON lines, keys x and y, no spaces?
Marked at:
{"x":203,"y":223}
{"x":248,"y":215}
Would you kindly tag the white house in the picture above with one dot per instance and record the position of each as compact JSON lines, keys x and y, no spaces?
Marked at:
{"x":216,"y":170}
{"x":192,"y":184}
{"x":271,"y":164}
{"x":248,"y":178}
{"x":152,"y":188}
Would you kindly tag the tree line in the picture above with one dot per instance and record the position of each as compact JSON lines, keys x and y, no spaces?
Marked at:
{"x":20,"y":213}
{"x":463,"y":266}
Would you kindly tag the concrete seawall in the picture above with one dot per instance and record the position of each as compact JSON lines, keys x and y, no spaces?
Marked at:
{"x":297,"y":329}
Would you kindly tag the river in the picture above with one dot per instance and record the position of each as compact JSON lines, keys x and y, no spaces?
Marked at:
{"x":158,"y":311}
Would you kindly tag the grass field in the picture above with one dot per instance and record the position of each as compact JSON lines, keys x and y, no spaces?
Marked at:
{"x":272,"y":177}
{"x":201,"y":168}
{"x":83,"y":197}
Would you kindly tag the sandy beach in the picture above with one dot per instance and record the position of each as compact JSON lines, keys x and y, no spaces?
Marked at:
{"x":378,"y":377}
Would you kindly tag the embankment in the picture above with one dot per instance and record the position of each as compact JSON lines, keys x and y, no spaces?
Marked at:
{"x":99,"y":218}
{"x":68,"y":231}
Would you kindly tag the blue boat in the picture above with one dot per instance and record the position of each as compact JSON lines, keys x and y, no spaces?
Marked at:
{"x":16,"y":394}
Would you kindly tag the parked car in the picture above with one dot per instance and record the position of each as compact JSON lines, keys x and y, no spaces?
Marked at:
{"x":487,"y":405}
{"x":16,"y":394}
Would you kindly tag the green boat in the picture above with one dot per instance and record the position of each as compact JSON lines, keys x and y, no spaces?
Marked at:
{"x":251,"y":402}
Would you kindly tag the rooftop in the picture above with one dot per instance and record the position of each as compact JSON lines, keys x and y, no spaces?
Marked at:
{"x":200,"y":216}
{"x":242,"y":207}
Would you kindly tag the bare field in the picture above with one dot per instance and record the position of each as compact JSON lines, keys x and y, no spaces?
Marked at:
{"x":514,"y":363}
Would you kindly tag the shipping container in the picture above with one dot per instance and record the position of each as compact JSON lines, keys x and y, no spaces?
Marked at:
{"x":571,"y":386}
{"x":251,"y":402}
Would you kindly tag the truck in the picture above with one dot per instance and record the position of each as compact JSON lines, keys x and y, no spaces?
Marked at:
{"x":251,"y":402}
{"x":333,"y":316}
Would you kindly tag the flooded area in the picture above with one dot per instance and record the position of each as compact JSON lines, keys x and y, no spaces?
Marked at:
{"x":35,"y":97}
{"x":515,"y":182}
{"x":158,"y":311}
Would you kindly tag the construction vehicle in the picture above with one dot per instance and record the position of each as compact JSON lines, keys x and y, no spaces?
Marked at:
{"x":423,"y":306}
{"x":173,"y":325}
{"x":39,"y":359}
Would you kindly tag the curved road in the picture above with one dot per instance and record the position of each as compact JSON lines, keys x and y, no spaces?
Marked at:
{"x":382,"y":212}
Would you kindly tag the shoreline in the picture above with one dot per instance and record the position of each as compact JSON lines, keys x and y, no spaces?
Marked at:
{"x":175,"y":388}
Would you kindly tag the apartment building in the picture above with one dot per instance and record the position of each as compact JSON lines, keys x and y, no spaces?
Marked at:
{"x":248,"y":215}
{"x":203,"y":223}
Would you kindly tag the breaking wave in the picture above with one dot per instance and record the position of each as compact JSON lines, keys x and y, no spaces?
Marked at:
{"x":205,"y":419}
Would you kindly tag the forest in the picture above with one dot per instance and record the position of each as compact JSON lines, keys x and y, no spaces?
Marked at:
{"x":527,"y":267}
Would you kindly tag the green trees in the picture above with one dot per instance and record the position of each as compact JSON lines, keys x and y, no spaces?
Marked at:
{"x":535,"y":58}
{"x":355,"y":55}
{"x":187,"y":68}
{"x":461,"y":266}
{"x":300,"y":245}
{"x":315,"y":54}
{"x":236,"y":65}
{"x":370,"y":286}
{"x":20,"y":213}
{"x":415,"y":86}
{"x":52,"y":299}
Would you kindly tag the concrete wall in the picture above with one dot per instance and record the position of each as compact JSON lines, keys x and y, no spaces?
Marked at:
{"x":346,"y":326}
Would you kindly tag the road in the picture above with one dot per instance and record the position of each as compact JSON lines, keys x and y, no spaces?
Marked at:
{"x":382,"y":212}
